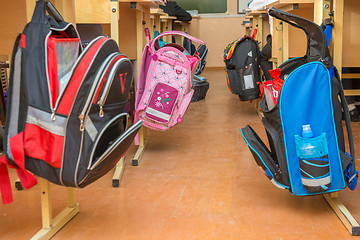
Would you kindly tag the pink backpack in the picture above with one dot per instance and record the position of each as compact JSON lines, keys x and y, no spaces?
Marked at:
{"x":164,"y":85}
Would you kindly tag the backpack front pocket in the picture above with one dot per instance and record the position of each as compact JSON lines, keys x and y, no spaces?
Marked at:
{"x":247,"y":75}
{"x":162,"y":103}
{"x":234,"y":83}
{"x":43,"y":138}
{"x":111,"y":144}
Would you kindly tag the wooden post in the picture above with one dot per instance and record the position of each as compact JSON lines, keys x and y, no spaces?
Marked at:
{"x":46,"y":208}
{"x":279,"y":33}
{"x":114,"y":27}
{"x":114,"y":18}
{"x":259,"y":26}
{"x":321,"y":10}
{"x":167,"y":20}
{"x":338,"y":6}
{"x":251,"y":29}
{"x":157,"y":23}
{"x":50,"y":226}
{"x":285,"y":41}
{"x":141,"y":15}
{"x":155,"y":20}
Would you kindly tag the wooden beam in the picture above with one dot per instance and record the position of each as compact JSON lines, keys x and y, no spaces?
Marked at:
{"x":350,"y":75}
{"x":338,"y":6}
{"x":344,"y":215}
{"x":352,"y":92}
{"x":139,"y":152}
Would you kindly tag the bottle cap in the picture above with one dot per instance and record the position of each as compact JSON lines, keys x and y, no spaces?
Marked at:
{"x":306,"y":131}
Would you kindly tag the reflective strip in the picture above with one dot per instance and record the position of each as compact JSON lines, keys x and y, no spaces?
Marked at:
{"x":15,"y":100}
{"x":316,"y":182}
{"x":43,"y":119}
{"x":276,"y":184}
{"x":15,"y":96}
{"x":158,"y":114}
{"x":90,"y":128}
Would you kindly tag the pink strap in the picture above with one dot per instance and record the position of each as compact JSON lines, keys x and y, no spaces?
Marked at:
{"x":179,"y":33}
{"x":148,"y":36}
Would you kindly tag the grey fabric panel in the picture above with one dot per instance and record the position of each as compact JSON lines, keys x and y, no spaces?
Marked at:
{"x":15,"y":99}
{"x":90,"y":128}
{"x":316,"y":182}
{"x":43,"y":120}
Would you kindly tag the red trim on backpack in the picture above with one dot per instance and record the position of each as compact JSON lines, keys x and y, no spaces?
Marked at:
{"x":17,"y":151}
{"x":27,"y":180}
{"x":53,"y":64}
{"x":75,"y":81}
{"x":42,"y":144}
{"x":104,"y":78}
{"x":52,"y":69}
{"x":254,"y":34}
{"x":275,"y":74}
{"x":23,"y":41}
{"x":5,"y":185}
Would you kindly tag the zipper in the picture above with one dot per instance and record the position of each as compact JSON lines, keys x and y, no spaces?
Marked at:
{"x":99,"y":76}
{"x":78,"y":160}
{"x":179,"y":119}
{"x":108,"y":84}
{"x":53,"y":108}
{"x":100,"y":135}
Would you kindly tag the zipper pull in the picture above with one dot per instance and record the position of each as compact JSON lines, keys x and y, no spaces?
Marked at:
{"x":101,"y":112}
{"x":82,"y":127}
{"x":52,"y":115}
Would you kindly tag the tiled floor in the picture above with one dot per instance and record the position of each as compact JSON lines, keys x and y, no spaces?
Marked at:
{"x":196,"y":181}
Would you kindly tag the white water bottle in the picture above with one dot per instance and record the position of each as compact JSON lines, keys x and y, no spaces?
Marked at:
{"x":306,"y":131}
{"x":314,"y":163}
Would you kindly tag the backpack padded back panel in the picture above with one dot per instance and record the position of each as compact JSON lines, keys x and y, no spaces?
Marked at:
{"x":313,"y":106}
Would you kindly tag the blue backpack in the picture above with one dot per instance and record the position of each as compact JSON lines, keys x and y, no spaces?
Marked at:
{"x":304,"y":128}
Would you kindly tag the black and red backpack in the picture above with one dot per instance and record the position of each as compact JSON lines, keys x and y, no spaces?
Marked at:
{"x":65,"y":116}
{"x":242,"y":58}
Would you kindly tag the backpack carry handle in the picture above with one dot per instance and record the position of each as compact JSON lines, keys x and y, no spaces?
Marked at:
{"x":316,"y":40}
{"x":175,"y":33}
{"x":50,"y":8}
